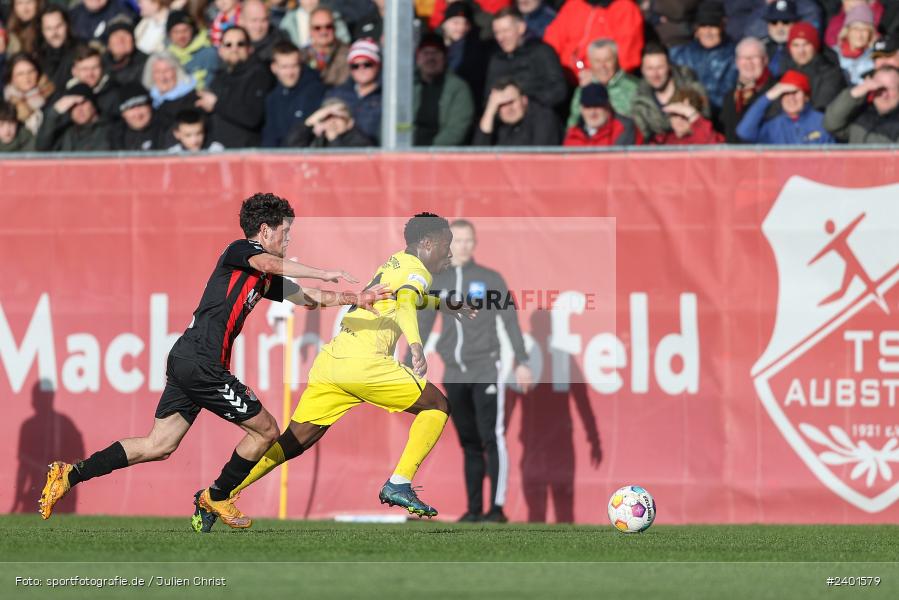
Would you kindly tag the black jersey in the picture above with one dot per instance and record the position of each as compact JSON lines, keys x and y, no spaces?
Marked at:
{"x":231,"y":293}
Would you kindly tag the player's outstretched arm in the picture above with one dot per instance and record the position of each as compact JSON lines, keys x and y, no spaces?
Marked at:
{"x":269,"y":263}
{"x":314,"y":297}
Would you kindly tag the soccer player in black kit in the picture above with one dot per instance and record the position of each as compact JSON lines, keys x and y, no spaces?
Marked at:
{"x":198,"y":370}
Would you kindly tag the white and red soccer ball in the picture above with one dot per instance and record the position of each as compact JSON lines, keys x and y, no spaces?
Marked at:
{"x":631,"y":509}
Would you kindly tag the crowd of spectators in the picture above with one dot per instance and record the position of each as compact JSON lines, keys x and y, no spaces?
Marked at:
{"x":191,"y":75}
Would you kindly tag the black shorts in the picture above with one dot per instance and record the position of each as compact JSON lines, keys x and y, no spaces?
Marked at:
{"x":193,"y":385}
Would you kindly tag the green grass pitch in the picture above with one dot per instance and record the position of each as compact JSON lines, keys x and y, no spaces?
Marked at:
{"x":434,"y":560}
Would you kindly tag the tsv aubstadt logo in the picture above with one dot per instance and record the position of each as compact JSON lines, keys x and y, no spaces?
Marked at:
{"x":829,"y":377}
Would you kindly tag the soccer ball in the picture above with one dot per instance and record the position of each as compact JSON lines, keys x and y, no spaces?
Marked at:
{"x":631,"y":509}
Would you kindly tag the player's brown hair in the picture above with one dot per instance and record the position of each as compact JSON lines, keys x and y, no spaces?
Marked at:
{"x":263,"y":208}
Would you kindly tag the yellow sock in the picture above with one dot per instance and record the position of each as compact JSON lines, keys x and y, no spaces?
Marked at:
{"x":272,"y":458}
{"x":424,"y":433}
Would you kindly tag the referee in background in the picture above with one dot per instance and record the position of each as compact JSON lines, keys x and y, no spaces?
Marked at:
{"x":471,"y":352}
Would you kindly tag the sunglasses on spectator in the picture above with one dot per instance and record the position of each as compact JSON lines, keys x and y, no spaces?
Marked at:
{"x":326,"y":27}
{"x":781,"y":22}
{"x":235,"y":44}
{"x":362,"y":65}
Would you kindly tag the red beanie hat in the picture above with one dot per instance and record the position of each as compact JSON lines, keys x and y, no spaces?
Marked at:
{"x":798,"y":79}
{"x":805,"y":31}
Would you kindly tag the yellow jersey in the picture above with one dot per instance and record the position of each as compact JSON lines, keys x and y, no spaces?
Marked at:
{"x":362,"y":333}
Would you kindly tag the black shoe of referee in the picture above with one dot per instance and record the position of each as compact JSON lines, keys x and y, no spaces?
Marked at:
{"x":471,"y":517}
{"x":495,"y":515}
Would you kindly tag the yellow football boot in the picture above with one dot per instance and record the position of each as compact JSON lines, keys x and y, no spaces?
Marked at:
{"x":225,"y":510}
{"x":56,"y":487}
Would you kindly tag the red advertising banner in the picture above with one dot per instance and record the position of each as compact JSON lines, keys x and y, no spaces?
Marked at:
{"x":739,"y":358}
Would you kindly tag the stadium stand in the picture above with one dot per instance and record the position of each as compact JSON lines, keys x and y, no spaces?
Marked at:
{"x":644,"y":54}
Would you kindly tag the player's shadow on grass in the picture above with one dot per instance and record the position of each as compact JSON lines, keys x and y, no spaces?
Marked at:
{"x":547,"y":430}
{"x":44,"y":437}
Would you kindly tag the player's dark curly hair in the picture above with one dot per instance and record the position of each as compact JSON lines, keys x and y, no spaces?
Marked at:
{"x":263,"y":208}
{"x":422,"y":225}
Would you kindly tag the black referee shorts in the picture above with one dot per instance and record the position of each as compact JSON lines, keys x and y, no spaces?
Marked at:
{"x":192,"y":385}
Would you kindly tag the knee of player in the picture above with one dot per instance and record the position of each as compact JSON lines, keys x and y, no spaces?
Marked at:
{"x":270,"y":437}
{"x":163,"y":451}
{"x":441,"y":404}
{"x":270,"y":433}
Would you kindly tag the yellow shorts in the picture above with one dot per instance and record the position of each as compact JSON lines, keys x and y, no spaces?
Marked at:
{"x":338,"y":384}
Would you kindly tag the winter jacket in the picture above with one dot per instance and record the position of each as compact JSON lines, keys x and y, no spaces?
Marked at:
{"x":30,"y":105}
{"x":777,"y":56}
{"x":715,"y":68}
{"x":151,"y":137}
{"x":467,"y":58}
{"x":889,"y":24}
{"x":23,"y":142}
{"x":184,"y":88}
{"x":285,"y":107}
{"x":130,"y":70}
{"x":87,"y":25}
{"x":59,"y":134}
{"x":617,"y":131}
{"x":824,"y":75}
{"x":701,"y":132}
{"x":646,"y":111}
{"x":349,"y":10}
{"x":535,"y":67}
{"x":671,"y":20}
{"x":150,"y":33}
{"x":580,"y":22}
{"x":454,"y":111}
{"x":199,"y":59}
{"x":539,"y":127}
{"x":857,"y":122}
{"x":334,"y":70}
{"x":106,"y":91}
{"x":470,"y":348}
{"x":366,"y":110}
{"x":746,"y":18}
{"x":807,"y":128}
{"x":538,"y":21}
{"x":240,"y":109}
{"x":262,"y":50}
{"x":729,"y":118}
{"x":622,"y":87}
{"x":855,"y":68}
{"x":56,"y":64}
{"x":304,"y":137}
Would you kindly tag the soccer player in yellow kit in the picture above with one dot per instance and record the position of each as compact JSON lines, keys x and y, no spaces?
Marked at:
{"x":358,"y":366}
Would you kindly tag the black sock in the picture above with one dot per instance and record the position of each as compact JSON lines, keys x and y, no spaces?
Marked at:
{"x":234,"y":472}
{"x":99,"y":463}
{"x":290,"y":445}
